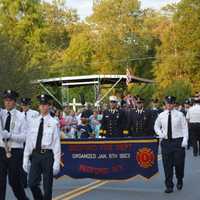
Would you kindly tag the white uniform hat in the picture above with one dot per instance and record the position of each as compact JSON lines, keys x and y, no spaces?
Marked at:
{"x":113,"y":98}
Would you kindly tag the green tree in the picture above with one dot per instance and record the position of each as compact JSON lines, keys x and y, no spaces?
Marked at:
{"x":178,"y":56}
{"x":121,"y":38}
{"x":34,"y":36}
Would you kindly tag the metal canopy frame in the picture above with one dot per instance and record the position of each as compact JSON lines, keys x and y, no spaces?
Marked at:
{"x":103,"y":79}
{"x":94,"y":80}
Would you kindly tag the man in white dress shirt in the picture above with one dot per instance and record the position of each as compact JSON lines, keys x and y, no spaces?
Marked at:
{"x":193,"y":117}
{"x":42,"y":151}
{"x":171,"y":127}
{"x":12,"y":138}
{"x":29,"y":115}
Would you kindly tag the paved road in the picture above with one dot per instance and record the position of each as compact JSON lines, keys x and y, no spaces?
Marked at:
{"x":137,"y":189}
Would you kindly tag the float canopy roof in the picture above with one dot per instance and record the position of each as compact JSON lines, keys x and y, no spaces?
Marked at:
{"x":76,"y":81}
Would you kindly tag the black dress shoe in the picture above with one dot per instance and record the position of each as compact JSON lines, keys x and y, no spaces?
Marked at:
{"x":179,"y":186}
{"x":169,"y":190}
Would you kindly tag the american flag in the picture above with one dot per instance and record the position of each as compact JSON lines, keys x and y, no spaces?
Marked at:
{"x":128,"y":76}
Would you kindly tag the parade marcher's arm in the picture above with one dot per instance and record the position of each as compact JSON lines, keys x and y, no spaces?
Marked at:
{"x":27,"y":153}
{"x":3,"y":133}
{"x":56,"y":151}
{"x":158,"y":128}
{"x":15,"y":136}
{"x":188,"y":116}
{"x":1,"y":126}
{"x":184,"y":125}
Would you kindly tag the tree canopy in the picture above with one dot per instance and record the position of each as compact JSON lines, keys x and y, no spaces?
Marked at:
{"x":41,"y":40}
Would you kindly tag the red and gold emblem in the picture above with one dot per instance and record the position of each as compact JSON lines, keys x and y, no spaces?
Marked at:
{"x":145,"y":157}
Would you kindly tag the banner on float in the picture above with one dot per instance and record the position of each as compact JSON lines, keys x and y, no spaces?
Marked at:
{"x":109,"y":159}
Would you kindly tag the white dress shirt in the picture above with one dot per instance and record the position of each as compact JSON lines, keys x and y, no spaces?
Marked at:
{"x":193,"y":114}
{"x":30,"y":114}
{"x":50,"y":139}
{"x":140,"y":111}
{"x":179,"y":125}
{"x":17,"y":128}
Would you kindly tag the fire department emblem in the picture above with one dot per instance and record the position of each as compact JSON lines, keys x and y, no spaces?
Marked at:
{"x":145,"y":157}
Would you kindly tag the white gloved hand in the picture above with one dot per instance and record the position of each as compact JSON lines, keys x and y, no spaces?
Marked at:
{"x":161,"y":135}
{"x":5,"y":135}
{"x":26,"y":167}
{"x":184,"y":143}
{"x":56,"y":171}
{"x":56,"y":168}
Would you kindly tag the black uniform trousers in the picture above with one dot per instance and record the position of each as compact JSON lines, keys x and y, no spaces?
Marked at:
{"x":195,"y":137}
{"x":173,"y":156}
{"x":41,"y":167}
{"x":11,"y":167}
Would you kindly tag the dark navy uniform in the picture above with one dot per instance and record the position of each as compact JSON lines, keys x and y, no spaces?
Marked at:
{"x":114,"y":123}
{"x":140,"y":120}
{"x":139,"y":124}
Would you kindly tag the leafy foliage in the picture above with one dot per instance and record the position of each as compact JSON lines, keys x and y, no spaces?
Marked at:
{"x":42,"y":40}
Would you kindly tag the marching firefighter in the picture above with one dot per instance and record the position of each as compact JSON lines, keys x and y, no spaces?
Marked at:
{"x":171,"y":127}
{"x":42,"y":151}
{"x":12,"y":138}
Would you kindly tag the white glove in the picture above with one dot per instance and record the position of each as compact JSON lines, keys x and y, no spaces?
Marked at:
{"x":56,"y":168}
{"x":5,"y":135}
{"x":26,"y":167}
{"x":161,"y":135}
{"x":56,"y":171}
{"x":184,"y":143}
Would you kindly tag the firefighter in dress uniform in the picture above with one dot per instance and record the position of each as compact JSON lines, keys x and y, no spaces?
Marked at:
{"x":12,"y":138}
{"x":42,"y":151}
{"x":171,"y":127}
{"x":29,"y":115}
{"x":140,"y":121}
{"x":114,"y":123}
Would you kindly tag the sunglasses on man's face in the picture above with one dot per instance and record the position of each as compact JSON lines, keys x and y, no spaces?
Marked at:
{"x":113,"y":102}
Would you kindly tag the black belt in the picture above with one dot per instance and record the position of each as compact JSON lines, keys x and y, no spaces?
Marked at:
{"x":42,"y":151}
{"x":173,"y":139}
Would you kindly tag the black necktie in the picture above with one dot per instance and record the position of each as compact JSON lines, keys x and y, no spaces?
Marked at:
{"x":39,"y":136}
{"x":8,"y":120}
{"x":169,"y":128}
{"x":25,"y":115}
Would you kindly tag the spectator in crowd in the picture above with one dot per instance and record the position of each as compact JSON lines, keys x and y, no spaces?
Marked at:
{"x":95,"y":122}
{"x":84,"y":129}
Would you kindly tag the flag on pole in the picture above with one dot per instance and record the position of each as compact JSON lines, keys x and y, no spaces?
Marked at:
{"x":128,"y":76}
